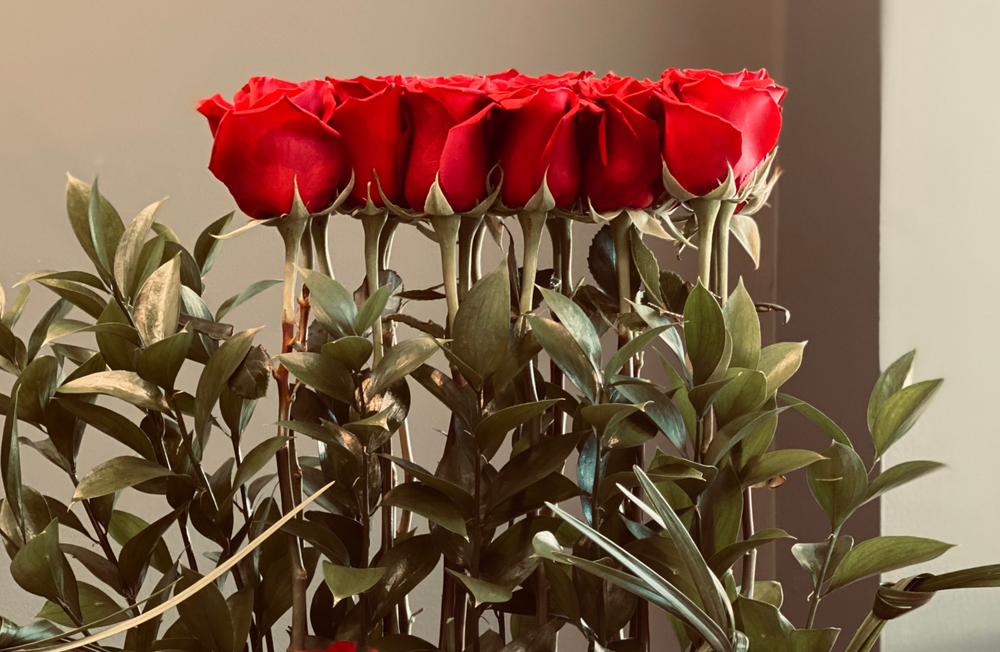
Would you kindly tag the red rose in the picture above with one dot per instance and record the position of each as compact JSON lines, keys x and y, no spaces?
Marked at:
{"x":272,"y":136}
{"x":450,"y":142}
{"x":537,"y":137}
{"x":370,"y":118}
{"x":341,"y":646}
{"x":713,"y":121}
{"x":621,"y":144}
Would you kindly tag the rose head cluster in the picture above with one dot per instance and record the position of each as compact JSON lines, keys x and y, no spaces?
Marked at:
{"x":605,"y":143}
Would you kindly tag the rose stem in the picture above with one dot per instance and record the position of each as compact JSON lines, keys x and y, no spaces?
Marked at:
{"x":446,"y":227}
{"x":622,"y":233}
{"x":532,"y":224}
{"x":291,"y":229}
{"x":561,"y":233}
{"x":320,"y":227}
{"x":477,"y":252}
{"x":466,"y":253}
{"x":722,"y":289}
{"x":389,"y":340}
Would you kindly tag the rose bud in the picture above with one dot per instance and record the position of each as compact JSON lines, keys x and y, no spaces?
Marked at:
{"x":371,"y":120}
{"x":274,"y":137}
{"x":622,"y":164}
{"x":449,"y":144}
{"x":537,"y":137}
{"x":714,"y":123}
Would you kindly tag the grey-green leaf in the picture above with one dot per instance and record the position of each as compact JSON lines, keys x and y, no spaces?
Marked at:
{"x":884,"y":554}
{"x":216,"y":374}
{"x":838,"y":483}
{"x":344,"y":581}
{"x":900,"y":412}
{"x":895,"y":377}
{"x":116,"y":474}
{"x":157,"y":304}
{"x":400,"y":360}
{"x":483,"y":592}
{"x":779,"y":362}
{"x":744,"y":326}
{"x":482,"y":324}
{"x":126,"y":385}
{"x":704,"y":333}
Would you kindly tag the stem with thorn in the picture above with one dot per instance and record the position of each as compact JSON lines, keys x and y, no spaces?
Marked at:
{"x":466,"y":253}
{"x":373,"y":229}
{"x":446,"y":227}
{"x":291,"y":229}
{"x":320,"y":226}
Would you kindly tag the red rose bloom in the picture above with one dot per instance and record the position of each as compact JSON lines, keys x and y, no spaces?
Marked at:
{"x":450,"y":143}
{"x":370,"y":118}
{"x":713,"y":121}
{"x":537,"y":137}
{"x":274,"y":135}
{"x":621,"y":143}
{"x":341,"y":646}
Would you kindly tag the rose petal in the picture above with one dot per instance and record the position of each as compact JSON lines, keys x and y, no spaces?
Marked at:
{"x":260,"y":155}
{"x":698,"y":147}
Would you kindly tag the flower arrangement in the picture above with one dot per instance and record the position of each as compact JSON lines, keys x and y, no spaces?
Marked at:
{"x":546,"y":506}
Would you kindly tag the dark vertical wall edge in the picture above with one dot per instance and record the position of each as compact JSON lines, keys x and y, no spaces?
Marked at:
{"x":828,"y":261}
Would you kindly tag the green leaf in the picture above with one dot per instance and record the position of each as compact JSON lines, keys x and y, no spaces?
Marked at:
{"x":126,"y":385}
{"x":320,"y":372}
{"x":430,"y":503}
{"x":712,"y":594}
{"x":206,"y":615}
{"x":95,"y":605}
{"x":241,"y":605}
{"x":741,"y":319}
{"x":659,"y":408}
{"x":160,"y":362}
{"x":333,"y":304}
{"x":704,"y":333}
{"x":900,"y":412}
{"x":157,"y":303}
{"x":344,"y":581}
{"x":491,"y":431}
{"x":116,"y":426}
{"x":254,"y":461}
{"x":123,"y":527}
{"x":632,"y":348}
{"x":744,"y":229}
{"x":825,"y":423}
{"x":321,"y":538}
{"x":406,"y":565}
{"x":250,"y":292}
{"x":482,"y":325}
{"x":744,"y":394}
{"x":895,"y":377}
{"x":899,"y":475}
{"x":351,"y":351}
{"x":216,"y":374}
{"x":812,"y":556}
{"x":779,"y":362}
{"x":106,"y":228}
{"x":12,"y":313}
{"x":460,"y":496}
{"x":130,"y":248}
{"x":78,"y":208}
{"x":839,"y":483}
{"x":119,"y":353}
{"x":399,"y":361}
{"x":138,"y":551}
{"x":10,"y":464}
{"x":777,"y":463}
{"x":65,"y":327}
{"x":52,"y":315}
{"x":884,"y":554}
{"x":483,"y":592}
{"x":116,"y":474}
{"x":577,"y":324}
{"x":206,"y":248}
{"x":646,"y":583}
{"x":567,"y":354}
{"x":372,"y":309}
{"x":721,"y":507}
{"x":530,"y":466}
{"x":40,"y":568}
{"x":723,"y":560}
{"x":645,"y":263}
{"x":769,"y":631}
{"x":738,"y":430}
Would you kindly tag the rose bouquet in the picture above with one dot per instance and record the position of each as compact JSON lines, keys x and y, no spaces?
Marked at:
{"x":580,"y":494}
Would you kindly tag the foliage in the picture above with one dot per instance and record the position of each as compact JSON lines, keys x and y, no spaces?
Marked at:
{"x":166,"y":378}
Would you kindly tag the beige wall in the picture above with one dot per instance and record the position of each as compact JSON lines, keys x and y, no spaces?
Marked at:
{"x":939,"y":278}
{"x":110,"y":87}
